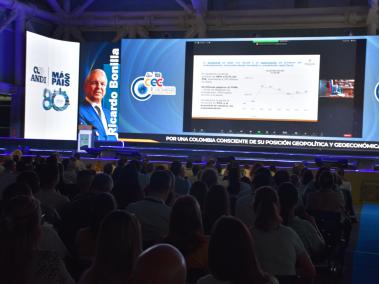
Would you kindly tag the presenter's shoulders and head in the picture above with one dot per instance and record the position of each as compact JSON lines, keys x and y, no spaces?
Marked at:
{"x":91,"y":109}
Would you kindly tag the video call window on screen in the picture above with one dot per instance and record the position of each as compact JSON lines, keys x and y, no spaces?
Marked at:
{"x":275,"y":87}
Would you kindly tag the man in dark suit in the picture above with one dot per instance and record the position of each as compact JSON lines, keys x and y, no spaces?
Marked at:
{"x":91,"y":111}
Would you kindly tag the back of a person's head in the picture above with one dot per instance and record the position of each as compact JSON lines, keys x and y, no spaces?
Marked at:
{"x":326,"y":180}
{"x":9,"y":165}
{"x":118,"y":243}
{"x":185,"y":223}
{"x":319,"y":172}
{"x":20,"y":226}
{"x":234,"y":174}
{"x":217,"y":203}
{"x":262,"y":177}
{"x":31,"y":179}
{"x":108,"y":168}
{"x":122,"y":162}
{"x":16,"y":189}
{"x":128,"y":176}
{"x":160,"y":182}
{"x":306,"y":176}
{"x":137,"y":164}
{"x":160,"y":264}
{"x":199,"y":190}
{"x":195,"y":170}
{"x":102,"y":183}
{"x":281,"y":176}
{"x":288,"y":197}
{"x":231,"y":253}
{"x":266,"y":207}
{"x":52,"y":160}
{"x":23,"y":165}
{"x":48,"y":175}
{"x":189,"y":164}
{"x":254,"y":168}
{"x":340,"y":171}
{"x":103,"y":203}
{"x":84,"y":180}
{"x":209,"y":177}
{"x":176,"y":168}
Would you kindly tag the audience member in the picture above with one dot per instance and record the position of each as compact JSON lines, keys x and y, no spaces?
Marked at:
{"x":232,"y":256}
{"x":21,"y":261}
{"x":199,"y":191}
{"x":244,"y":205}
{"x":309,"y":234}
{"x":280,"y":177}
{"x":326,"y":197}
{"x":48,"y":194}
{"x":127,"y":188}
{"x":186,"y":233}
{"x":103,"y":203}
{"x":182,"y":185}
{"x":152,"y":212}
{"x":279,"y":249}
{"x":8,"y":175}
{"x":217,"y":203}
{"x":209,"y":177}
{"x":118,"y":246}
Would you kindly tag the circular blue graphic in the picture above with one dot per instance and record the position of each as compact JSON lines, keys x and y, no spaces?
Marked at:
{"x":139,"y":91}
{"x":58,"y":100}
{"x":376,"y":92}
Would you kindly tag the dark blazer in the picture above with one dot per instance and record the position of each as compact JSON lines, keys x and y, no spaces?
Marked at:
{"x":88,"y":116}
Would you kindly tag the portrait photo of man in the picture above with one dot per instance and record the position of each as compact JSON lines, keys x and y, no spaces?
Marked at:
{"x":91,"y":110}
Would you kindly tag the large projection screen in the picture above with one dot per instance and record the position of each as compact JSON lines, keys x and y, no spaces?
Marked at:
{"x":51,"y":88}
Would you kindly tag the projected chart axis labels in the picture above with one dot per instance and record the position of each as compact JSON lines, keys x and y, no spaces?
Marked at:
{"x":256,"y":87}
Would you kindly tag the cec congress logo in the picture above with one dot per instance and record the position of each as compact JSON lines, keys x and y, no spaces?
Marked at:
{"x":144,"y":87}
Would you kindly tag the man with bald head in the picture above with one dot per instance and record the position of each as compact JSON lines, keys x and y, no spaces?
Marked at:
{"x":91,"y":110}
{"x":160,"y":264}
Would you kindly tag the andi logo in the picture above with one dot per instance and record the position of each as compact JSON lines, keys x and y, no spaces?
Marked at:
{"x":376,"y":92}
{"x":151,"y":84}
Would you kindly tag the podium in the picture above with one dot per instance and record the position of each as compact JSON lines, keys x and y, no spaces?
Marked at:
{"x":86,"y":137}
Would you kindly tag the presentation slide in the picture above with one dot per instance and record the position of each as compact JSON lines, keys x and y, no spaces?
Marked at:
{"x":51,"y":88}
{"x":256,"y":87}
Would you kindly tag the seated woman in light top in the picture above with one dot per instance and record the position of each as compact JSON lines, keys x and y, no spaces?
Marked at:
{"x":279,"y":249}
